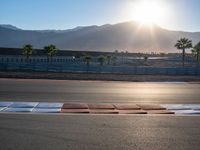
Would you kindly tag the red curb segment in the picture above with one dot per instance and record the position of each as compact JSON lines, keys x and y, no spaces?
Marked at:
{"x":132,"y":112}
{"x":74,"y":106}
{"x":127,"y":107}
{"x":101,"y":106}
{"x":160,"y":112}
{"x":151,"y":107}
{"x":75,"y":111}
{"x":103,"y":111}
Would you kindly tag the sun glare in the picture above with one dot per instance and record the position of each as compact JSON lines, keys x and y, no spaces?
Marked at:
{"x":147,"y":12}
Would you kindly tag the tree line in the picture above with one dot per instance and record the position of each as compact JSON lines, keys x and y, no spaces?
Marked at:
{"x":51,"y":50}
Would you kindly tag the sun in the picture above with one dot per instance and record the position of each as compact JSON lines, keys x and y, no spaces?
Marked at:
{"x":147,"y":12}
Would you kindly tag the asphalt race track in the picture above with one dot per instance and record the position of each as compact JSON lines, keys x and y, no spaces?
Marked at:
{"x":96,"y":132}
{"x":22,"y":131}
{"x":99,"y":91}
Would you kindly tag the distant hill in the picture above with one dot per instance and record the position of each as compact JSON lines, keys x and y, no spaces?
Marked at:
{"x":126,"y":36}
{"x":8,"y":26}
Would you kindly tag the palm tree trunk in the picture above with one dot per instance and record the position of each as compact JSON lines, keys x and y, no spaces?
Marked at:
{"x":47,"y":59}
{"x":101,"y":65}
{"x":51,"y":59}
{"x":183,"y":59}
{"x":88,"y":64}
{"x":27,"y":57}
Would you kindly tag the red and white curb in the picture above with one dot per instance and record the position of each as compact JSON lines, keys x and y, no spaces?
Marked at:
{"x":98,"y":108}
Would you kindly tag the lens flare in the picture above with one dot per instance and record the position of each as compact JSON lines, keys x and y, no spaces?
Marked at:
{"x":147,"y":12}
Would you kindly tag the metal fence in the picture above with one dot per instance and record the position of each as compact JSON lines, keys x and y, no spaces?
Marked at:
{"x":96,"y":68}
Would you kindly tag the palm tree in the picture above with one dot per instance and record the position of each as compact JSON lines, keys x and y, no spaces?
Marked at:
{"x":116,"y":51}
{"x":145,"y":57}
{"x":114,"y":59}
{"x":87,"y":58}
{"x":50,"y":51}
{"x":108,"y":58}
{"x":196,"y":51}
{"x":27,"y":51}
{"x":126,"y":56}
{"x":101,"y":59}
{"x":183,"y":44}
{"x":122,"y":56}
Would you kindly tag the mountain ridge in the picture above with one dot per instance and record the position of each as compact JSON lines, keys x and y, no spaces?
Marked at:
{"x":125,"y":36}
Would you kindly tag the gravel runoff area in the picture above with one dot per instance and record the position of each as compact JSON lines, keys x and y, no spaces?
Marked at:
{"x":97,"y":76}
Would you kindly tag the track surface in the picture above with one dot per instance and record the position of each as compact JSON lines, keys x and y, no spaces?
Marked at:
{"x":75,"y":132}
{"x":96,"y":132}
{"x":98,"y":91}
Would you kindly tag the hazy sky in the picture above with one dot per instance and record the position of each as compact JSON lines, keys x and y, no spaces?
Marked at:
{"x":64,"y":14}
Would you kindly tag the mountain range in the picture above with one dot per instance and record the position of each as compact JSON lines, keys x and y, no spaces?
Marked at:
{"x":125,"y":36}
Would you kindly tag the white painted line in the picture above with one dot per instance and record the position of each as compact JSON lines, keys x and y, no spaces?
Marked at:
{"x":194,"y":106}
{"x":188,"y":112}
{"x":18,"y":110}
{"x":176,"y":106}
{"x":23,"y":104}
{"x":44,"y":110}
{"x":5,"y":104}
{"x":2,"y":108}
{"x":49,"y":105}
